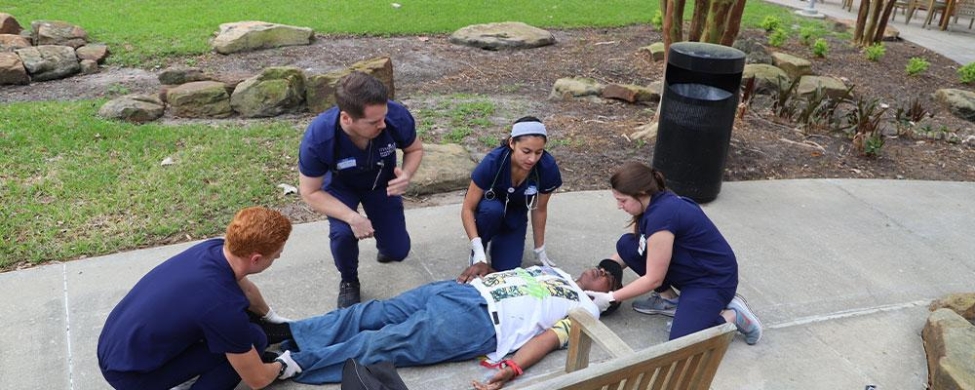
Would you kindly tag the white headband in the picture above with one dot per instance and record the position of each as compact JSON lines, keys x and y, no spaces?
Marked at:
{"x":528,"y":128}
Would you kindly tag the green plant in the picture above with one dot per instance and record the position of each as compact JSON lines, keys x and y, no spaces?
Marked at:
{"x":657,"y":20}
{"x":916,"y":66}
{"x":967,"y":73}
{"x":820,"y":48}
{"x":875,"y":52}
{"x":490,"y":140}
{"x":456,"y":135}
{"x":864,"y":122}
{"x":806,"y":35}
{"x":778,"y":37}
{"x":771,"y":23}
{"x":784,"y":102}
{"x":819,"y":109}
{"x":117,"y":89}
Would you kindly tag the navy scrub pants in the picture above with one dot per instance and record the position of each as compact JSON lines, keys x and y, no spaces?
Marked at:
{"x":214,"y":369}
{"x":700,"y":307}
{"x":386,"y":214}
{"x":505,"y":230}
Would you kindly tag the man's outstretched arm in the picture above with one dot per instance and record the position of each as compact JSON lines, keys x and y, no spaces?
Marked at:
{"x":529,"y":354}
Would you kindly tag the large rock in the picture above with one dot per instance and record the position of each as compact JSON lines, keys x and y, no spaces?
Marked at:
{"x":507,"y":35}
{"x":630,"y":93}
{"x":794,"y":66}
{"x":949,"y":343}
{"x":9,"y":25}
{"x":254,"y":35}
{"x":961,"y":303}
{"x":755,"y":51}
{"x":179,"y":76}
{"x":200,"y":99}
{"x":576,"y":88}
{"x":445,"y":168}
{"x":320,"y":89}
{"x":58,"y":33}
{"x":88,"y":66}
{"x":833,"y":87}
{"x":12,"y":71}
{"x":655,"y":51}
{"x":273,"y":92}
{"x":647,"y":132}
{"x":11,"y":42}
{"x":768,"y":78}
{"x":96,"y":53}
{"x":961,"y":103}
{"x":133,"y":108}
{"x":49,"y":62}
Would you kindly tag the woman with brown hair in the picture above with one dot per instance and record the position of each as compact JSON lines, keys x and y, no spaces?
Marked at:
{"x":675,"y":246}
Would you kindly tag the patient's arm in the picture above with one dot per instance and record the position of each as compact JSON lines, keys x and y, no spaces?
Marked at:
{"x":529,"y":354}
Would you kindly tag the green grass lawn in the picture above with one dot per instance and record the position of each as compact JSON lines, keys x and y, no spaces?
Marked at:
{"x":145,"y":32}
{"x":72,"y":184}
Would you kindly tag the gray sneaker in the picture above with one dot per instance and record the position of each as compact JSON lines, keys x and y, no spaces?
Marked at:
{"x":656,"y":304}
{"x":746,"y":321}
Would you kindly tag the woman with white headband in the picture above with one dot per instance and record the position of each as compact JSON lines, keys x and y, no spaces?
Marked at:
{"x":517,"y":177}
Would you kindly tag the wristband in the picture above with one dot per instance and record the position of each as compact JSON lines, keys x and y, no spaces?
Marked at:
{"x":514,"y":366}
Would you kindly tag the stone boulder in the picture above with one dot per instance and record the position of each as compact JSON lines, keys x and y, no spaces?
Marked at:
{"x":833,"y":87}
{"x":9,"y":25}
{"x":794,"y":66}
{"x":961,"y":103}
{"x":656,"y":51}
{"x":768,"y":78}
{"x":12,"y":71}
{"x":630,"y":93}
{"x":96,"y":53}
{"x":656,"y":87}
{"x":755,"y":51}
{"x":133,"y":108}
{"x":49,"y":62}
{"x":255,"y":35}
{"x":58,"y":33}
{"x":273,"y":92}
{"x":445,"y":168}
{"x":11,"y":42}
{"x":647,"y":132}
{"x":200,"y":99}
{"x":576,"y":88}
{"x":961,"y":303}
{"x":320,"y":89}
{"x":179,"y":76}
{"x":498,"y":36}
{"x":949,"y":345}
{"x":88,"y":66}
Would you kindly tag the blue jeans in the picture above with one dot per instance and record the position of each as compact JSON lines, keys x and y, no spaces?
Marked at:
{"x":433,"y":323}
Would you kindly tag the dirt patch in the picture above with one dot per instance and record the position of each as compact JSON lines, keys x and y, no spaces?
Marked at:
{"x":588,"y":138}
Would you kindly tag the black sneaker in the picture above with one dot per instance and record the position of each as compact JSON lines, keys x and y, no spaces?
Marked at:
{"x":348,"y":294}
{"x":380,"y":257}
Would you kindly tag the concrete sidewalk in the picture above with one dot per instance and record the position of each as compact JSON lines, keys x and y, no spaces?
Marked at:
{"x":840,"y":271}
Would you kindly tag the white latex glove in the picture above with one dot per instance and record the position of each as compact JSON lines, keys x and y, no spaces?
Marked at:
{"x":291,"y":368}
{"x":541,"y":257}
{"x":601,"y":299}
{"x":274,"y":318}
{"x":478,"y":248}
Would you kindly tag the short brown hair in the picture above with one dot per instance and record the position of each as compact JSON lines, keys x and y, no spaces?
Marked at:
{"x":257,"y":230}
{"x":636,"y":179}
{"x":358,"y":90}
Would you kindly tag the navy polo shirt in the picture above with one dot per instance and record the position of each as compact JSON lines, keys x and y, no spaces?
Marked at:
{"x":327,"y":151}
{"x":545,"y":178}
{"x":701,"y":256}
{"x":193,"y":297}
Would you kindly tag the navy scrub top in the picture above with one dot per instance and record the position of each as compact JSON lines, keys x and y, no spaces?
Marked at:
{"x":327,"y":151}
{"x":701,"y":256}
{"x":498,"y":163}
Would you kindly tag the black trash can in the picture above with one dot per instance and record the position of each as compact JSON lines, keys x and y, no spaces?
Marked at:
{"x":697,"y":112}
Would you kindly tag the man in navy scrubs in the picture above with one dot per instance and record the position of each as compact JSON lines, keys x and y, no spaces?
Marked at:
{"x":348,"y":157}
{"x":187,"y":318}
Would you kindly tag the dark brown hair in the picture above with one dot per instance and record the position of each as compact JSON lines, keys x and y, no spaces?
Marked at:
{"x":636,"y":179}
{"x":358,"y":90}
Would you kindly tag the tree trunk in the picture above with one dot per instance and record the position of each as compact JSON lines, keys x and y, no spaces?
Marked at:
{"x":668,"y":25}
{"x":861,"y":20}
{"x":717,"y":21}
{"x":871,"y":28}
{"x":677,"y":26}
{"x":734,"y":23}
{"x":882,"y":26}
{"x":699,"y":19}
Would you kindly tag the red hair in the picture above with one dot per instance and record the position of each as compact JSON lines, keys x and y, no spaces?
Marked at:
{"x":257,"y":230}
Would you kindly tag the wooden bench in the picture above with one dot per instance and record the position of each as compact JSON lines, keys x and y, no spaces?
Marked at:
{"x":689,"y":362}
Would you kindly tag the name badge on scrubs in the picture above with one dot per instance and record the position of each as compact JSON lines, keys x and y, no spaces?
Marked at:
{"x":531,"y":190}
{"x":643,"y":245}
{"x":346,"y":163}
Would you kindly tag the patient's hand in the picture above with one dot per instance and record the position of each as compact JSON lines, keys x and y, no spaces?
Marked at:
{"x":473,"y":272}
{"x":497,"y":381}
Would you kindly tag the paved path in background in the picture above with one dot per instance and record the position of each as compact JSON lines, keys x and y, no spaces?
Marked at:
{"x":840,"y":272}
{"x":956,"y":43}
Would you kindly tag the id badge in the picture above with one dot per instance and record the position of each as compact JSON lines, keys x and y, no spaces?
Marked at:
{"x":346,"y":163}
{"x":531,"y":190}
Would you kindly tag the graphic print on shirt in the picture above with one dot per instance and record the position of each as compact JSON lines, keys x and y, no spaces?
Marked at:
{"x":554,"y":287}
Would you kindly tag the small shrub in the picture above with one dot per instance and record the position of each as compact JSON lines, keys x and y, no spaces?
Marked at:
{"x":771,"y":23}
{"x":864,"y":120}
{"x":778,"y":37}
{"x":820,"y":48}
{"x":967,"y":73}
{"x":806,"y":35}
{"x":916,"y":66}
{"x":875,"y":51}
{"x":785,"y":104}
{"x":658,"y":20}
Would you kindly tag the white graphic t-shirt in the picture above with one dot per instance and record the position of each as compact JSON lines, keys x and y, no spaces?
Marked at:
{"x":525,"y":302}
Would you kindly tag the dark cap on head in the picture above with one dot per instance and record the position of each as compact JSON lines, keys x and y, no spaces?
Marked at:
{"x":614,"y":268}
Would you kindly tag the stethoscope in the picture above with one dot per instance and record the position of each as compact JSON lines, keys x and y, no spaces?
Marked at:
{"x":380,"y":164}
{"x":531,"y":193}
